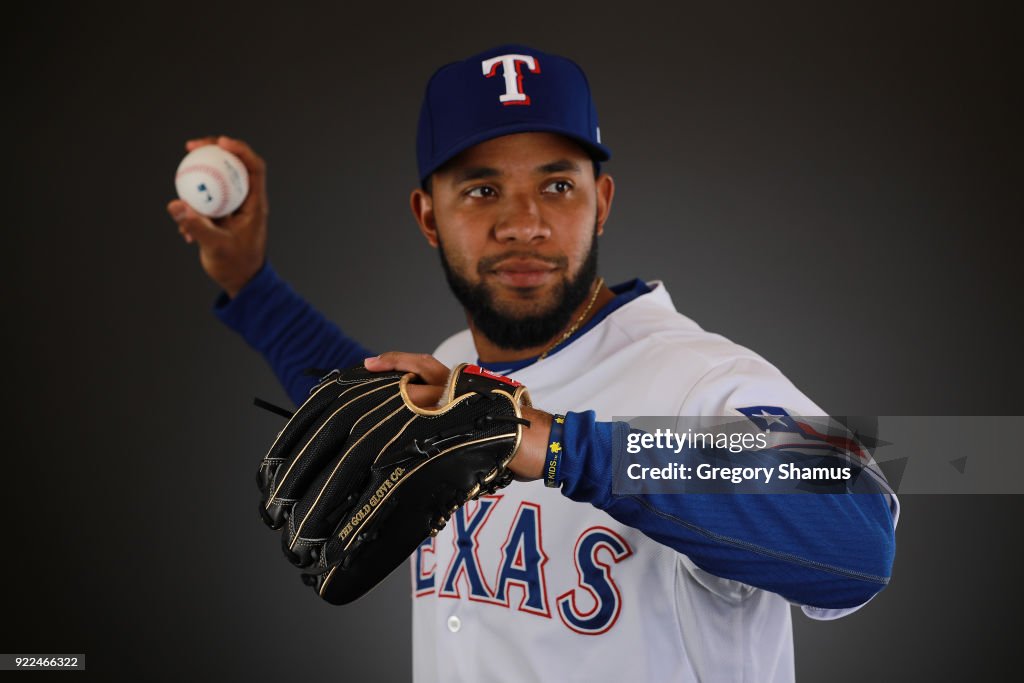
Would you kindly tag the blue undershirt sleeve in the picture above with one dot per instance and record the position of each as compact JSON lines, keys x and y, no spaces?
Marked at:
{"x":828,"y":550}
{"x":290,"y":334}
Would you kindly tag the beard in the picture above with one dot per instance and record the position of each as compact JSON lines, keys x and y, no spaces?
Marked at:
{"x":507,"y":329}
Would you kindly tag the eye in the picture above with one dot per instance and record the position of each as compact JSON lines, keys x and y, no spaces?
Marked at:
{"x":558,"y":186}
{"x":481,"y":192}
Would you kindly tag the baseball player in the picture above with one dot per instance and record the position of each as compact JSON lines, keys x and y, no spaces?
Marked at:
{"x":554,"y":577}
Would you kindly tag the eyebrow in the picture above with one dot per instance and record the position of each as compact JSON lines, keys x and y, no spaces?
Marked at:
{"x":559,"y":166}
{"x":481,"y":172}
{"x":474,"y":173}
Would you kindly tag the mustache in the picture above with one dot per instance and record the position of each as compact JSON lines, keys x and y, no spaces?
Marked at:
{"x":487,"y":264}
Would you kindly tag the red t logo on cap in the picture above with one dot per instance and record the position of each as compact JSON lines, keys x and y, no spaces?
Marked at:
{"x":510,"y":69}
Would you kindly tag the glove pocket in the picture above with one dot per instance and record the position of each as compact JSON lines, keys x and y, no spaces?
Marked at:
{"x":404,"y":504}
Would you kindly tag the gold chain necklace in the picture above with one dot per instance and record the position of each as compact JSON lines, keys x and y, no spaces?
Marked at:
{"x":575,"y":325}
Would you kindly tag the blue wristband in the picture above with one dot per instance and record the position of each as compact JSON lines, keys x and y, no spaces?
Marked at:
{"x":553,"y":454}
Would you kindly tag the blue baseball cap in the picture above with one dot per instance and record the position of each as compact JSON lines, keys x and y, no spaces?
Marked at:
{"x":505,"y":90}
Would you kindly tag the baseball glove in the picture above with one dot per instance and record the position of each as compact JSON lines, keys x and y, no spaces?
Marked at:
{"x":360,"y":476}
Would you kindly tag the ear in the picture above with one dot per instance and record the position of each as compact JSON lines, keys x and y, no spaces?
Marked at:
{"x":422,"y":205}
{"x":605,"y":186}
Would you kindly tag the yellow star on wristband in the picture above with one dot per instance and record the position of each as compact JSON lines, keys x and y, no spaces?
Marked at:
{"x":556,"y":447}
{"x":560,"y":420}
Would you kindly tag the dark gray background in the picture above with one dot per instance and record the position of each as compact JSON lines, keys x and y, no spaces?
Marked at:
{"x":836,"y":187}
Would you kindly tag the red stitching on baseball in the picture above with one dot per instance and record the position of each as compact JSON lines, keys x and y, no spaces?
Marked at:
{"x":218,"y":176}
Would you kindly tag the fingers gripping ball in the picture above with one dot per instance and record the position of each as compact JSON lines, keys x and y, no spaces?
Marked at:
{"x":212,"y":180}
{"x":360,"y":475}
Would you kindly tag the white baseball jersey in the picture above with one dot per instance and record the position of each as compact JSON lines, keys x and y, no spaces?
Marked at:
{"x":528,"y":585}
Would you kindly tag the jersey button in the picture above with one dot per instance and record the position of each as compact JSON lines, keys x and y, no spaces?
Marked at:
{"x":454,"y":624}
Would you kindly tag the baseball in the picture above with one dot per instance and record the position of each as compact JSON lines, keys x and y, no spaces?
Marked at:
{"x":212,"y":180}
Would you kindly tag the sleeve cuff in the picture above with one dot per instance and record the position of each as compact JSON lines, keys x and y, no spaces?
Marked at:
{"x":585,"y":470}
{"x":251,"y":298}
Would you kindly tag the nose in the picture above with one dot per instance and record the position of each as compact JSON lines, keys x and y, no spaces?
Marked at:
{"x":520,"y":220}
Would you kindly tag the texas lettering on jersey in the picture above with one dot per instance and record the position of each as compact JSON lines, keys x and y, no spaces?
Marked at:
{"x":492,"y":574}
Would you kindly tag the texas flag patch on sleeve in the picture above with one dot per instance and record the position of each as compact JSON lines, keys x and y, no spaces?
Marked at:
{"x":775,"y":419}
